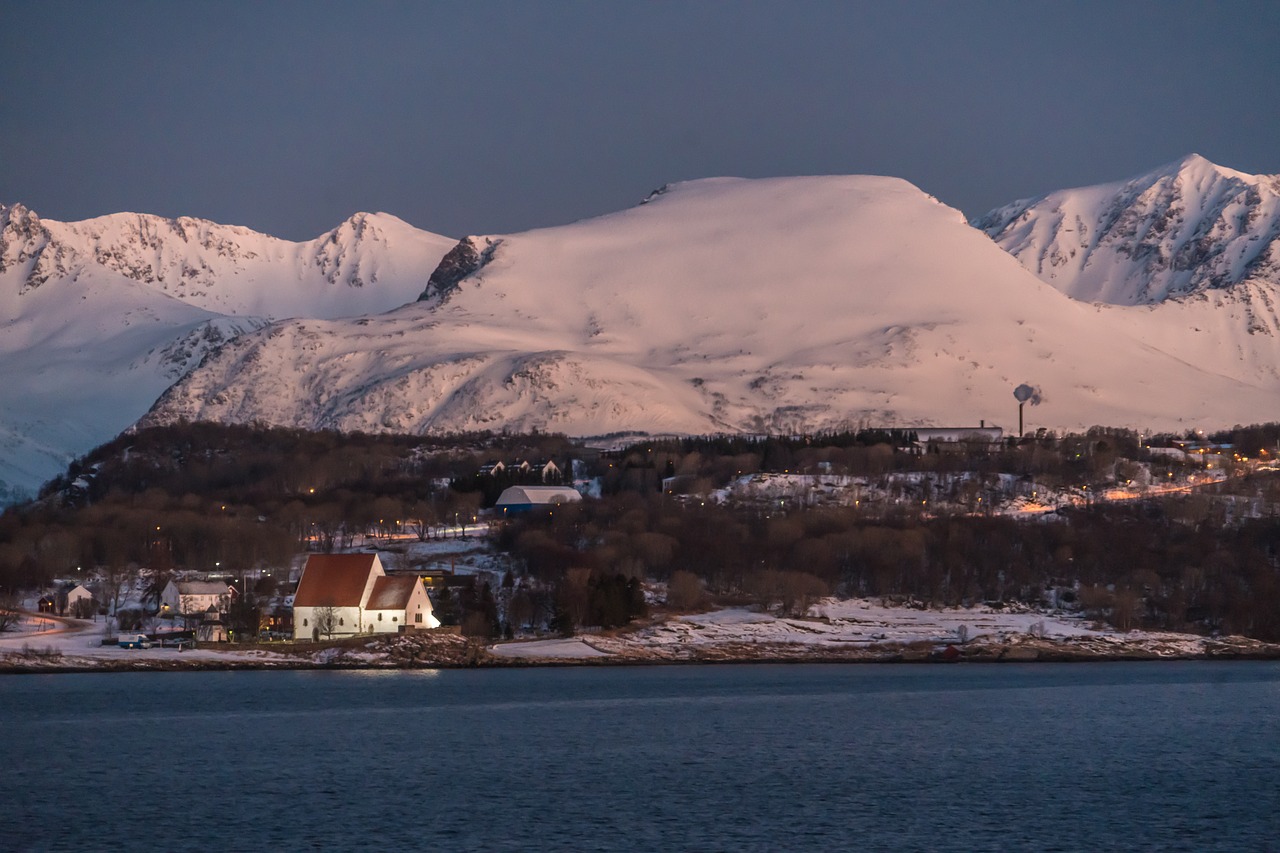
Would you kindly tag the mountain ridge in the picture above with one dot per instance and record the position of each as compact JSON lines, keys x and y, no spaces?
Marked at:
{"x":718,"y":305}
{"x":776,"y":304}
{"x":1182,"y":229}
{"x":100,"y":316}
{"x":221,"y":267}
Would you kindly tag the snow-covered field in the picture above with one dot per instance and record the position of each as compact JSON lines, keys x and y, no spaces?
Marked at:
{"x":456,"y":551}
{"x":860,"y":629}
{"x":571,"y":648}
{"x":850,"y":630}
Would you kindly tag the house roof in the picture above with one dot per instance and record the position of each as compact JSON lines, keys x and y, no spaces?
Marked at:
{"x":520,"y":495}
{"x":201,"y":588}
{"x":391,"y":593}
{"x":978,"y":433}
{"x":334,"y":580}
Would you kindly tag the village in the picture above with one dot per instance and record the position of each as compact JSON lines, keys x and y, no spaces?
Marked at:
{"x":318,"y":597}
{"x":459,"y":581}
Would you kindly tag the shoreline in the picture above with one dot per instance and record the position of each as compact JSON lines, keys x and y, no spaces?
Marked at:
{"x":835,"y":631}
{"x":466,"y":654}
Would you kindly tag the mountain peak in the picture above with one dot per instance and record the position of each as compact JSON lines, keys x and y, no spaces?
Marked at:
{"x":1188,"y":227}
{"x":1199,"y":166}
{"x":1195,"y":161}
{"x":17,"y":214}
{"x":5,"y":208}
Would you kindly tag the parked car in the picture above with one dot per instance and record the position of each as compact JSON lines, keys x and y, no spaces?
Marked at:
{"x":135,"y":641}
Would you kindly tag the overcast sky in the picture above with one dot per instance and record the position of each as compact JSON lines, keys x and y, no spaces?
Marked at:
{"x":491,"y":117}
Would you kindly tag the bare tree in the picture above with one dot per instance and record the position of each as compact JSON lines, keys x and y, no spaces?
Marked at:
{"x":156,"y":584}
{"x":520,"y":608}
{"x":115,"y":581}
{"x":799,"y":591}
{"x":326,"y":616}
{"x":84,"y":608}
{"x":420,"y":523}
{"x":9,"y":615}
{"x":476,"y":624}
{"x":684,"y":590}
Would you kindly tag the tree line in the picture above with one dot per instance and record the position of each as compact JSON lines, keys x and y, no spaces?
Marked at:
{"x":200,"y":496}
{"x":196,"y":496}
{"x":1165,"y":563}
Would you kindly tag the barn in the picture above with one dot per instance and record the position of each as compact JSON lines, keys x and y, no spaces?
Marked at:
{"x":517,"y":499}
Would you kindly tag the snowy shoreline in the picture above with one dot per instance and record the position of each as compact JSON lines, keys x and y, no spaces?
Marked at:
{"x":835,"y":631}
{"x":1246,"y":650}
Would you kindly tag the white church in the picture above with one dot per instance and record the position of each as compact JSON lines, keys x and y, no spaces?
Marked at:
{"x":342,"y":595}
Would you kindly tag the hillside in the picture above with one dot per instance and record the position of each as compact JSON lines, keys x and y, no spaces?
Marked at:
{"x":724,"y":305}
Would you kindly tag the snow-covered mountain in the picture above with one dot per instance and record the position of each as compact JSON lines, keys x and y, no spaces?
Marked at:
{"x":725,"y":304}
{"x":372,"y":262}
{"x":98,"y":317}
{"x":1195,"y":243}
{"x":1187,"y":228}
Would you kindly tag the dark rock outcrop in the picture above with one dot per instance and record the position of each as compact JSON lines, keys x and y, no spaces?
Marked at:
{"x":463,"y":260}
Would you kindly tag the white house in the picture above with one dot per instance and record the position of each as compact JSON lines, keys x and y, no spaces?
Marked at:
{"x":341,"y":595}
{"x":193,"y":598}
{"x":79,"y":600}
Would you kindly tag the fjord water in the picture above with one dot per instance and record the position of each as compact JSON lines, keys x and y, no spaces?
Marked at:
{"x":1089,"y":757}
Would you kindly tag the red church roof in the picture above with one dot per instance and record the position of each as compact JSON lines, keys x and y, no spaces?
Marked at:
{"x":334,"y":580}
{"x":392,"y":593}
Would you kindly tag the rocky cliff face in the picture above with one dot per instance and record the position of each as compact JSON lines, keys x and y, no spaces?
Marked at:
{"x":28,"y":247}
{"x":463,"y":260}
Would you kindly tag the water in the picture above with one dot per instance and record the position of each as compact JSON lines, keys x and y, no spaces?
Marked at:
{"x":1088,"y":757}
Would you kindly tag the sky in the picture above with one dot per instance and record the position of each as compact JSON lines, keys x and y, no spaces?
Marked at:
{"x":494,"y":117}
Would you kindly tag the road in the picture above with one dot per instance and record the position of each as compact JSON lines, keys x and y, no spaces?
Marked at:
{"x":43,"y":625}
